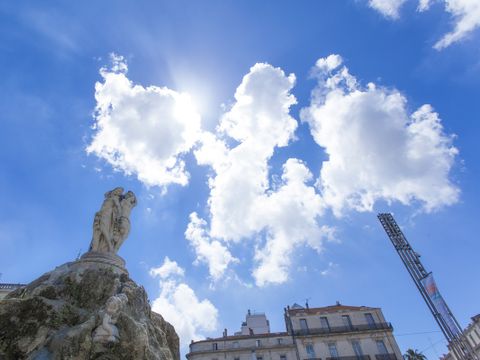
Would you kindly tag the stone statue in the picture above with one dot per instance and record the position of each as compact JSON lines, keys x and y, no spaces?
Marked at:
{"x":107,"y":331}
{"x":111,"y":224}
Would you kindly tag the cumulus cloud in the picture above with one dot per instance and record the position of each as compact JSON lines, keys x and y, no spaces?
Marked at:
{"x":180,"y":306}
{"x":377,"y":150}
{"x":388,"y":8}
{"x":209,"y":251}
{"x":167,"y":270}
{"x":143,"y":131}
{"x":244,"y":203}
{"x":465,"y":13}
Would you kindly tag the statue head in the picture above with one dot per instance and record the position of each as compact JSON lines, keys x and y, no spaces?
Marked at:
{"x":130,"y":197}
{"x":118,"y":191}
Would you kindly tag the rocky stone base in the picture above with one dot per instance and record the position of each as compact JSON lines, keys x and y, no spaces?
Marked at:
{"x":84,"y":310}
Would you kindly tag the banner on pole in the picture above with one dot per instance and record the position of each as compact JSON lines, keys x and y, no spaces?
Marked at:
{"x":440,"y":305}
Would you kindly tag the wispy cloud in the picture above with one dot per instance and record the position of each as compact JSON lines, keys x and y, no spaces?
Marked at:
{"x":465,"y":14}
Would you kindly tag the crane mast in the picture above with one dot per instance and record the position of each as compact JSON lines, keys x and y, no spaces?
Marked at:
{"x":426,"y":286}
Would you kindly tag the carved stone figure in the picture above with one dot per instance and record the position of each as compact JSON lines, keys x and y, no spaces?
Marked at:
{"x":122,"y":226}
{"x":107,"y":331}
{"x":111,"y":224}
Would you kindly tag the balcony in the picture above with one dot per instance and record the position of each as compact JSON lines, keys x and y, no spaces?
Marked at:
{"x":343,"y":329}
{"x":355,"y":357}
{"x":208,"y":347}
{"x":385,"y":357}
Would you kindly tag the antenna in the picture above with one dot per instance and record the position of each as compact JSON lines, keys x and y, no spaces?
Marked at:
{"x":428,"y":289}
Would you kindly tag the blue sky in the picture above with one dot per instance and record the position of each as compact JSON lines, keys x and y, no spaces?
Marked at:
{"x":261,"y":139}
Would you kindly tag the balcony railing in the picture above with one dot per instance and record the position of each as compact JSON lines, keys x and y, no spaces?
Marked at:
{"x":386,"y":357}
{"x":198,"y":348}
{"x":356,"y":357}
{"x":342,"y":329}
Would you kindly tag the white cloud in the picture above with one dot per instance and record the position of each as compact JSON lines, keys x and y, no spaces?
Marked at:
{"x":467,"y":18}
{"x":143,"y":130}
{"x":243,"y":202}
{"x":466,"y":15}
{"x":167,"y":270}
{"x":290,"y":215}
{"x":388,"y":8}
{"x":330,"y":270}
{"x":208,"y":251}
{"x":180,"y":306}
{"x":376,"y":149}
{"x":424,"y":5}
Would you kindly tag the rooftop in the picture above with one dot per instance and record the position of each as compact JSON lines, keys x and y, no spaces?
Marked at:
{"x":239,"y":337}
{"x":296,"y":309}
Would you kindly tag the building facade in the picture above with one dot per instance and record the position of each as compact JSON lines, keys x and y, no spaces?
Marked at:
{"x":342,"y":333}
{"x":253,"y":342}
{"x":472,"y":334}
{"x":335,"y":332}
{"x":7,"y":288}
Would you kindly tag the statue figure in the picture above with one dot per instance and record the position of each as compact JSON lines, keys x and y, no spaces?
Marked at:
{"x":111,"y":224}
{"x":107,"y":331}
{"x":122,"y":226}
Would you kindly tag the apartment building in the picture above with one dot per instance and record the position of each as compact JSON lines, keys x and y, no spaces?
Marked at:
{"x":335,"y":332}
{"x":253,"y":342}
{"x":472,"y":334}
{"x":341,"y":332}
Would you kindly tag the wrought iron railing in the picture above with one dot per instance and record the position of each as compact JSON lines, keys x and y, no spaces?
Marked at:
{"x":342,"y":329}
{"x":386,"y":357}
{"x":10,"y":286}
{"x":355,"y":357}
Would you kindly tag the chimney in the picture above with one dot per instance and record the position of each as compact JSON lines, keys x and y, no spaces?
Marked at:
{"x":225,"y":333}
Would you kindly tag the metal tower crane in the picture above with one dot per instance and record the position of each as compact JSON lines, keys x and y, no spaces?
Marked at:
{"x":429,"y":291}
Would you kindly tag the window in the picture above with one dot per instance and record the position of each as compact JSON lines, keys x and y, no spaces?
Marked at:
{"x":258,"y":343}
{"x":324,"y":323}
{"x":237,"y":358}
{"x":357,"y":349}
{"x":381,"y":347}
{"x":259,"y":357}
{"x":332,"y":348}
{"x":370,"y":321}
{"x":235,"y":344}
{"x":215,"y":346}
{"x":310,"y":351}
{"x":473,"y":340}
{"x":304,"y":326}
{"x":346,"y":321}
{"x":283,"y":357}
{"x":279,"y":341}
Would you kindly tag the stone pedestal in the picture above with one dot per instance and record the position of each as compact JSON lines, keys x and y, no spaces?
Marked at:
{"x":96,"y":259}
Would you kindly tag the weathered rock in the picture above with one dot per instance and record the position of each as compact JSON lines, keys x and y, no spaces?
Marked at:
{"x":84,"y":310}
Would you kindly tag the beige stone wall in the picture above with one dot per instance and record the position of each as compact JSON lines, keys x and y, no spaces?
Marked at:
{"x":344,"y":341}
{"x":270,"y":347}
